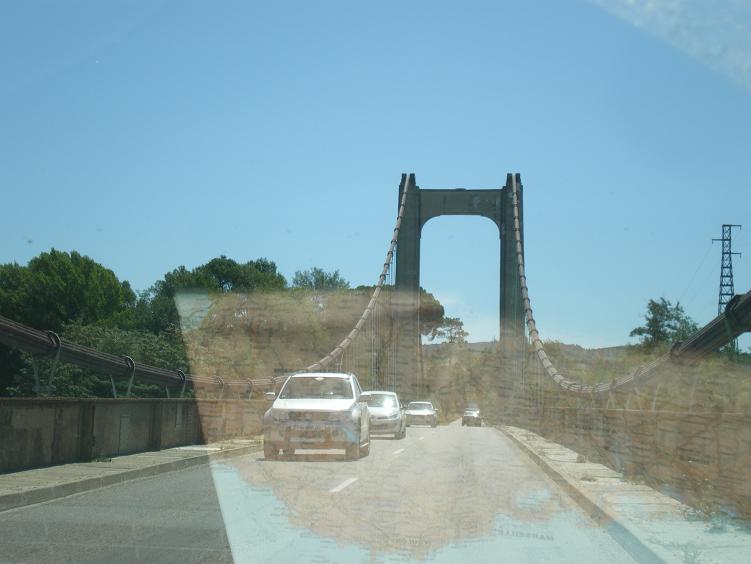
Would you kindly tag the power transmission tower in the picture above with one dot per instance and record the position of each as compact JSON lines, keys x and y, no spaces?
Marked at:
{"x":727,"y":290}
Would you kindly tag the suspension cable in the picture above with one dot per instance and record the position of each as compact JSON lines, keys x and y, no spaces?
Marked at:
{"x":344,"y":345}
{"x":641,"y":373}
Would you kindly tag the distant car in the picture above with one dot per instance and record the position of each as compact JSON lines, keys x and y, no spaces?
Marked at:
{"x":386,"y":414}
{"x":317,"y":411}
{"x":421,"y":413}
{"x":472,"y":416}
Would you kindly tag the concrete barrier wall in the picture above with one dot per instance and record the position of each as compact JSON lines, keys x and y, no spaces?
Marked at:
{"x":702,"y":457}
{"x":45,"y":432}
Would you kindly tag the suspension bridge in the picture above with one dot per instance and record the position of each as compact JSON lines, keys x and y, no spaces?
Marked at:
{"x":384,"y":345}
{"x":616,"y":420}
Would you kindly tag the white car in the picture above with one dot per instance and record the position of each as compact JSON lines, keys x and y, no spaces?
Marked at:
{"x":386,"y":414}
{"x":317,"y":410}
{"x":421,"y":413}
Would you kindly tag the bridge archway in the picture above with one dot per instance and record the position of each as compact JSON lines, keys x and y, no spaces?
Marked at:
{"x":420,"y":206}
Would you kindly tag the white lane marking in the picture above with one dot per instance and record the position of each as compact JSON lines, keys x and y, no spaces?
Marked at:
{"x":421,"y":438}
{"x":344,"y":484}
{"x":401,"y":450}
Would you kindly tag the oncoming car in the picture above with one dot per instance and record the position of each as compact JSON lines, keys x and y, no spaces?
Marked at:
{"x":317,"y":411}
{"x":386,"y":414}
{"x":421,"y":413}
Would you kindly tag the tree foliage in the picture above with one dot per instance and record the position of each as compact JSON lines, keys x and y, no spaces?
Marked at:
{"x":450,"y":330}
{"x":156,"y":310}
{"x":664,"y":324}
{"x":318,"y":279}
{"x":85,"y":302}
{"x":165,"y":351}
{"x":58,"y":287}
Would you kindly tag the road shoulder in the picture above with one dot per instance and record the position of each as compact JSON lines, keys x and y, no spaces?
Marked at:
{"x":38,"y":485}
{"x":651,"y":526}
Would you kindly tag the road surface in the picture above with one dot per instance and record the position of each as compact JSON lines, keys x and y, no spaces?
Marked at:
{"x":440,"y":495}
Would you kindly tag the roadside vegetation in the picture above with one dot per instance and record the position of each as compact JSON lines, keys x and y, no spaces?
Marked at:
{"x":222,"y":318}
{"x":460,"y":372}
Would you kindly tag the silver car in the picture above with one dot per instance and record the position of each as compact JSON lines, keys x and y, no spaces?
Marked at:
{"x":317,"y":411}
{"x":421,"y":413}
{"x":386,"y":414}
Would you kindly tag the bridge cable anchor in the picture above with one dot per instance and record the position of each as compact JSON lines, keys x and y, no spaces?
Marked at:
{"x":57,"y":344}
{"x":132,"y":367}
{"x":184,"y":380}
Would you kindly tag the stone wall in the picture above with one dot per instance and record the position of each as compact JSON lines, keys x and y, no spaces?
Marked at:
{"x":703,"y":458}
{"x":45,"y":432}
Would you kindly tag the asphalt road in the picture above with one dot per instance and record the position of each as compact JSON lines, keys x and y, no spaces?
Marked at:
{"x":444,"y":495}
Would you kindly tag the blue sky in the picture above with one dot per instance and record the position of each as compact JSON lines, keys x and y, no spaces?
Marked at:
{"x":153,"y":134}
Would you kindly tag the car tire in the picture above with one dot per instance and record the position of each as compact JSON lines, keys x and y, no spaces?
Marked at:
{"x":270,"y":452}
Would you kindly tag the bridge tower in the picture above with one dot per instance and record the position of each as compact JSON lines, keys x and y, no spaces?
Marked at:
{"x":421,"y":205}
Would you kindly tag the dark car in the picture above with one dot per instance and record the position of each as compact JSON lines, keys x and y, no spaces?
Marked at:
{"x":471,"y":416}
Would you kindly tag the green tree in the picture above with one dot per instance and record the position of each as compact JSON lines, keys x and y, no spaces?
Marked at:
{"x":156,"y":310}
{"x":54,"y":289}
{"x":665,"y":323}
{"x":58,"y":287}
{"x":318,"y":279}
{"x":451,"y":330}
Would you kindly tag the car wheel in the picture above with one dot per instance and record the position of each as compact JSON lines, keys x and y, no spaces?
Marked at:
{"x":270,"y":452}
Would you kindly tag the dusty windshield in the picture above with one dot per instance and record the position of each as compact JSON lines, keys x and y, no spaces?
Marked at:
{"x":528,"y":221}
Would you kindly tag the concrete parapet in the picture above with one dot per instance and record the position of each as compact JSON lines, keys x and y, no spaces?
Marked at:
{"x":701,"y":457}
{"x":45,"y":432}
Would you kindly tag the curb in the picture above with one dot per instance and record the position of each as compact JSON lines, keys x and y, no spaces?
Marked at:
{"x":621,"y":533}
{"x":41,"y":495}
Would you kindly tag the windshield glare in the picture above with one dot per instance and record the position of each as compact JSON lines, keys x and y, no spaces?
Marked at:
{"x":317,"y":388}
{"x":379,"y":400}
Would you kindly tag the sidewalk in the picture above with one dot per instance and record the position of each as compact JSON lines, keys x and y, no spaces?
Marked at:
{"x":44,"y":484}
{"x":650,"y":525}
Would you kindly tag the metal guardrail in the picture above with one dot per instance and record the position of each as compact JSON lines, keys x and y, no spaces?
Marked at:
{"x":48,"y":343}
